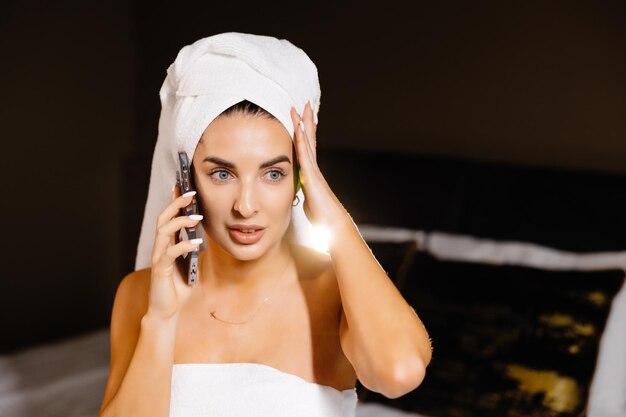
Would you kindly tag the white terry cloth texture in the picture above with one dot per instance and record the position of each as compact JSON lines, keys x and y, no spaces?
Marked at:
{"x":207,"y":77}
{"x":607,"y":393}
{"x":253,"y":389}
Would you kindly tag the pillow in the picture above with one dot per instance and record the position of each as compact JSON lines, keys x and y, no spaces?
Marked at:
{"x":508,"y":340}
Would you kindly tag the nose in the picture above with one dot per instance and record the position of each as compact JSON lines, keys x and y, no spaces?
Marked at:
{"x":245,"y":203}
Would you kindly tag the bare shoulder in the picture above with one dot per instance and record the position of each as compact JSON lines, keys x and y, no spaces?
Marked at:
{"x":316,"y":270}
{"x":135,"y":286}
{"x":129,"y":306}
{"x":326,"y":314}
{"x":312,"y":263}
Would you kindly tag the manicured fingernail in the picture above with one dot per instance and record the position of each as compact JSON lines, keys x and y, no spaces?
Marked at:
{"x":196,"y":241}
{"x":196,"y":216}
{"x":173,"y":186}
{"x":301,"y":123}
{"x":189,"y":194}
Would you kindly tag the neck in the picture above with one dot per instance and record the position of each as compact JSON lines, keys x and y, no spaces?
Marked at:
{"x":219,"y":269}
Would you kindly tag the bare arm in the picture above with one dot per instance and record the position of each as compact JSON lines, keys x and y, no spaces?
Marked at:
{"x":145,"y":389}
{"x":380,"y":332}
{"x":142,"y":354}
{"x":144,"y":321}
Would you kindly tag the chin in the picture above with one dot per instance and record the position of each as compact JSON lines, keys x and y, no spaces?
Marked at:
{"x":247,"y":252}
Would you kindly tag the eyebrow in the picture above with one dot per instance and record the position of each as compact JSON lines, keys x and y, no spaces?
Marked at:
{"x":227,"y":164}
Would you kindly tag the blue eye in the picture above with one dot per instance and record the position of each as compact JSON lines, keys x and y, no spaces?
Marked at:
{"x":223,"y":174}
{"x":278,"y":175}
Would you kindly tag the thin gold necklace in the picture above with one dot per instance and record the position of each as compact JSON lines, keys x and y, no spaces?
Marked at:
{"x":212,"y":313}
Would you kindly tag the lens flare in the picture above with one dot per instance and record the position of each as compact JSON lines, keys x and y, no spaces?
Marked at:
{"x":321,"y":238}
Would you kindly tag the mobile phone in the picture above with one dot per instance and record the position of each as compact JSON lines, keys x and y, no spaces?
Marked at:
{"x":188,"y":262}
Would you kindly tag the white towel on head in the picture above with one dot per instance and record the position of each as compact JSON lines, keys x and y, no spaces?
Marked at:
{"x":208,"y":77}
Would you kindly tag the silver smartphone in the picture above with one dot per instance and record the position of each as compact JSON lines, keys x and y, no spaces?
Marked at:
{"x":187,"y":263}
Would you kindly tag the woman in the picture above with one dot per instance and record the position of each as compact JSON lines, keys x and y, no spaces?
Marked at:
{"x":271,"y":327}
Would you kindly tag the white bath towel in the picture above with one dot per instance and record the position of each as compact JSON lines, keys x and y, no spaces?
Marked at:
{"x":206,"y":78}
{"x":253,"y":389}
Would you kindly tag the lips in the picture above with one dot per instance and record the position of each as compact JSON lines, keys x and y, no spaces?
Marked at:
{"x":246,"y":234}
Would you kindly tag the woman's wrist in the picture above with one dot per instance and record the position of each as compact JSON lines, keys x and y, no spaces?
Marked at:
{"x":340,"y":227}
{"x":334,"y":216}
{"x":154,"y":320}
{"x":339,"y":219}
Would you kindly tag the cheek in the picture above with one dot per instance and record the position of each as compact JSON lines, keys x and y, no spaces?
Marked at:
{"x":212,"y":203}
{"x":279,"y":205}
{"x":279,"y":196}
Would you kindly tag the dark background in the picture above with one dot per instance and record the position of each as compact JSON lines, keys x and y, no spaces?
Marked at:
{"x":532,"y":85}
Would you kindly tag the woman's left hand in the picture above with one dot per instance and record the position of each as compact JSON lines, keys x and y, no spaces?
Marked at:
{"x":321,"y":206}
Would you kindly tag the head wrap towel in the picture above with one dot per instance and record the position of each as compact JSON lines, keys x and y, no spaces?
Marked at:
{"x":208,"y":77}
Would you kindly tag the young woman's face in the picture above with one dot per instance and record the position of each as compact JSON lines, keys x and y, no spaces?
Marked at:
{"x":243,"y":170}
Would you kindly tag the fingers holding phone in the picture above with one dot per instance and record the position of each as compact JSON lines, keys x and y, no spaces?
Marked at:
{"x":171,"y":256}
{"x":189,"y":262}
{"x":169,"y":225}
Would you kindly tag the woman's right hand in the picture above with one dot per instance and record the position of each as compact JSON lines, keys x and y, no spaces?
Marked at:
{"x":169,"y":290}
